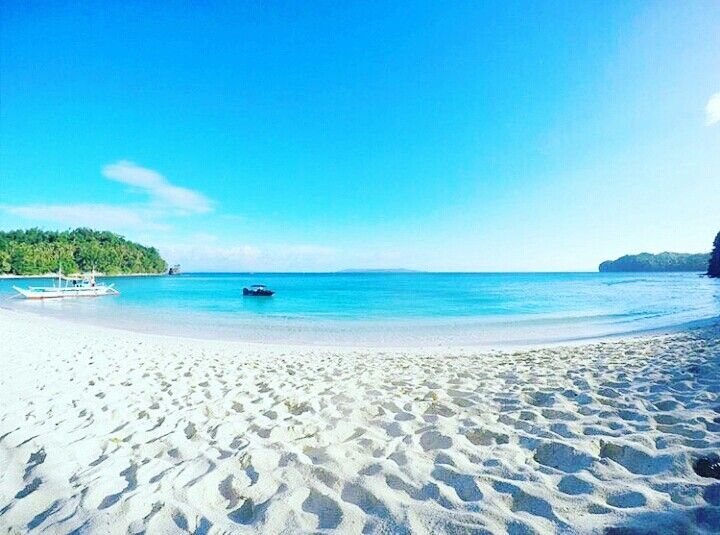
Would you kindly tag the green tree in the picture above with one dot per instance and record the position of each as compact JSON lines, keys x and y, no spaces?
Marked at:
{"x":35,"y":252}
{"x":658,"y":262}
{"x":714,"y":264}
{"x":5,"y":258}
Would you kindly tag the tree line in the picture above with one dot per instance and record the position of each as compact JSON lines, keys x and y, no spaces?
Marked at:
{"x":36,"y":252}
{"x":669,"y":262}
{"x":714,"y":264}
{"x":657,"y":262}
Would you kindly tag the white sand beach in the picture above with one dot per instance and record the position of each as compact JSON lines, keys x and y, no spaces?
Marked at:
{"x":106,"y":431}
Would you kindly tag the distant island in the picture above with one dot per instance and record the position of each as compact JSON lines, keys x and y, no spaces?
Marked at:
{"x":658,"y":262}
{"x":38,"y":252}
{"x":391,"y":270}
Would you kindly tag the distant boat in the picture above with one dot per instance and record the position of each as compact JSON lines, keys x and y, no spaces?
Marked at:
{"x":258,"y":290}
{"x":174,"y":270}
{"x":76,"y":286}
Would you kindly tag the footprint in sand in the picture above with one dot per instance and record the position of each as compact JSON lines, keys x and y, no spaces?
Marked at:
{"x":627,"y":500}
{"x":635,"y":460}
{"x":226,"y":490}
{"x":542,"y":399}
{"x":432,"y":440}
{"x":249,"y":512}
{"x":463,"y":484}
{"x":130,"y":475}
{"x":522,"y":501}
{"x":485,"y":437}
{"x":427,"y":492}
{"x":41,"y":517}
{"x":364,"y":499}
{"x":180,"y":520}
{"x":29,"y":488}
{"x":190,"y":430}
{"x":561,"y":456}
{"x":36,"y":459}
{"x":573,"y":486}
{"x":326,"y":509}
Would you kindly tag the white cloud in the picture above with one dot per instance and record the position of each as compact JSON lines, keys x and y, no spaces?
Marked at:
{"x":203,"y":251}
{"x":157,"y":186}
{"x":89,"y":215}
{"x":165,"y":200}
{"x":197,"y":256}
{"x":712,"y":110}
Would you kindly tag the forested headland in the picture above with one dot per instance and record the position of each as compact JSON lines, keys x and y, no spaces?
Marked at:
{"x":658,"y":262}
{"x":36,"y":252}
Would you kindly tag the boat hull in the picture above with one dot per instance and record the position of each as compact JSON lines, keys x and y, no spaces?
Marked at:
{"x":249,"y":292}
{"x":55,"y":293}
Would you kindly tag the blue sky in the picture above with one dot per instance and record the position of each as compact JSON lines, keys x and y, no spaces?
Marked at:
{"x":468,"y":136}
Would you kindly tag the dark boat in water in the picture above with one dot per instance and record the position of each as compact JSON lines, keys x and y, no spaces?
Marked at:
{"x":258,"y":290}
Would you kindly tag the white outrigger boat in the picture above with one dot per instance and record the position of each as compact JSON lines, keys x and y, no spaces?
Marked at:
{"x":76,"y":286}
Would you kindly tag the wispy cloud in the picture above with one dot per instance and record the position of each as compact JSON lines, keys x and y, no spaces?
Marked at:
{"x":157,"y":187}
{"x":164,"y":200}
{"x":91,"y":215}
{"x":194,"y":255}
{"x":712,"y":110}
{"x":202,"y":250}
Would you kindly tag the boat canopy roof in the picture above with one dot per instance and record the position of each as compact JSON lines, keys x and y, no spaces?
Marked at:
{"x":83,"y":277}
{"x":257,"y":286}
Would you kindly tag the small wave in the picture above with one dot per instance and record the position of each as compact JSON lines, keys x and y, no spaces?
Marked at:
{"x":633,"y":281}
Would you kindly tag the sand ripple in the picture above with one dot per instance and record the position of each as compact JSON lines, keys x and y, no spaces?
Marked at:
{"x":111,"y":432}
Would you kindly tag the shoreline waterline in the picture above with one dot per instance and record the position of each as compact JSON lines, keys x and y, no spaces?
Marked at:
{"x":488,"y":311}
{"x":393,"y":343}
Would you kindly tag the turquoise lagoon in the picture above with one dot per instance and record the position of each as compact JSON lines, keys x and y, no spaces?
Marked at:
{"x":395,"y":309}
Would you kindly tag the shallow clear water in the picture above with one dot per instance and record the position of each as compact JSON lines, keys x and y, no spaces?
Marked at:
{"x":487,"y":309}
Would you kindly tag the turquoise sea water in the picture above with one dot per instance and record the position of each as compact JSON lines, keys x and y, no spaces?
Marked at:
{"x":398,"y":309}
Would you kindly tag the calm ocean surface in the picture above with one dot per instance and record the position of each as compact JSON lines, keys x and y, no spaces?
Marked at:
{"x":394,"y":309}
